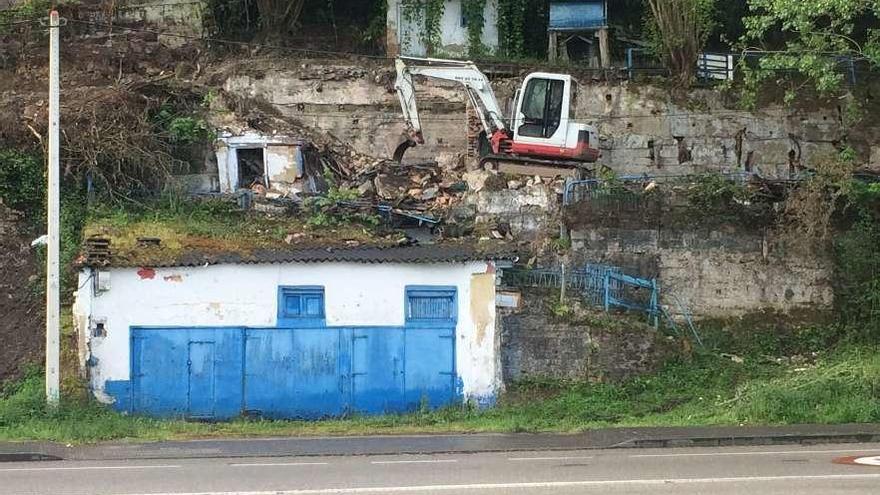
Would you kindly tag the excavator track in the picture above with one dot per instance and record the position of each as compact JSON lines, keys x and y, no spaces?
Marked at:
{"x":525,"y":165}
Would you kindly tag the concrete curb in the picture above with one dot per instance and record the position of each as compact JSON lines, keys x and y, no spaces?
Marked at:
{"x":747,"y":441}
{"x":28,"y":457}
{"x":611,"y":438}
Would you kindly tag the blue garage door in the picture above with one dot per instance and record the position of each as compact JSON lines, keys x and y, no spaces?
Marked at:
{"x":194,"y":373}
{"x":378,"y":370}
{"x":294,"y":373}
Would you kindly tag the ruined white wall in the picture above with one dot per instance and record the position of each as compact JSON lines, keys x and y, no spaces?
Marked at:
{"x":281,"y":158}
{"x":185,"y":17}
{"x":454,"y":36}
{"x":247,"y":295}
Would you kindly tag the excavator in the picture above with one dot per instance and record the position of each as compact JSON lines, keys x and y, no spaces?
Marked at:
{"x":540,"y":136}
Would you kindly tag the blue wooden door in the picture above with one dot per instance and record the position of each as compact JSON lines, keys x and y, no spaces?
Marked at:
{"x":187,"y":372}
{"x":377,"y":370}
{"x":158,"y":370}
{"x":430,"y":367}
{"x":201,"y":380}
{"x":294,"y":373}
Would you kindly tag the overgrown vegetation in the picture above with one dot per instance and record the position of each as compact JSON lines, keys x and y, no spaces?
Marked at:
{"x":334,"y":208}
{"x":22,"y":181}
{"x":678,"y":30}
{"x":472,"y":11}
{"x":811,"y":42}
{"x":426,"y":14}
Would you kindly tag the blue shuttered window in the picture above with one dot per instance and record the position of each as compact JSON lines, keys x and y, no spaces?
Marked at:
{"x":431,"y":306}
{"x":301,"y":306}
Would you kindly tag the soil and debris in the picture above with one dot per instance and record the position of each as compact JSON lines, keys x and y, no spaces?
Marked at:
{"x":21,"y":305}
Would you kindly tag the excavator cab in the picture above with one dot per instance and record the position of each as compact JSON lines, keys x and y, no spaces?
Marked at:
{"x":544,"y":122}
{"x":540,"y":109}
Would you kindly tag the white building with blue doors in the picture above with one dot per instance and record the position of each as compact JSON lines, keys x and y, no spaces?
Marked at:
{"x":292,"y":334}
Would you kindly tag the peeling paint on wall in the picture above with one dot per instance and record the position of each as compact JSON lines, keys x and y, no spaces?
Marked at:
{"x":146,"y":273}
{"x":482,"y":302}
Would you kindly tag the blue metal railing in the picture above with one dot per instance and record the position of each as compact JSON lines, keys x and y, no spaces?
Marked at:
{"x":607,"y":287}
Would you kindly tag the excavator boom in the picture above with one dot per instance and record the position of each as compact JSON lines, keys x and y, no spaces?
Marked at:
{"x":476,"y":84}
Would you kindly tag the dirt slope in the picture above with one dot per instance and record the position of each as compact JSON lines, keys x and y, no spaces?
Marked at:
{"x":21,"y":309}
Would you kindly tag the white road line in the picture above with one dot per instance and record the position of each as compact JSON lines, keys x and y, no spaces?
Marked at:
{"x":85,"y":468}
{"x":545,"y":484}
{"x":269,"y":464}
{"x":560,"y":458}
{"x":778,"y":452}
{"x":421,"y":461}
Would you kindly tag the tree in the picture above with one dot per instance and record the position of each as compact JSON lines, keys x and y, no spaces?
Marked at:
{"x":678,"y":30}
{"x":812,"y":38}
{"x":277,"y":17}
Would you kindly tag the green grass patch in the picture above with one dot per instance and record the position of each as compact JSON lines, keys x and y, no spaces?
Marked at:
{"x":706,"y":389}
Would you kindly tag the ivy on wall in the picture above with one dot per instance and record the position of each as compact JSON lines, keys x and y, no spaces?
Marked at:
{"x":511,"y":27}
{"x":428,"y":13}
{"x":472,"y":11}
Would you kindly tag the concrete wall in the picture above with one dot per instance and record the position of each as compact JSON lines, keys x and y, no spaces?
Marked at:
{"x":715,"y":271}
{"x":247,"y":295}
{"x":583,"y":345}
{"x":185,"y":17}
{"x":357,"y":105}
{"x":643,"y":129}
{"x":404,"y":37}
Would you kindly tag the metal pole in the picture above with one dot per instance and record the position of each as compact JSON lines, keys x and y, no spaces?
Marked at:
{"x":562,"y":285}
{"x":53,"y":290}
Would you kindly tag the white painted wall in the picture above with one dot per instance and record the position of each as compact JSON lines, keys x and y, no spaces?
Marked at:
{"x":454,"y":37}
{"x":246,"y":295}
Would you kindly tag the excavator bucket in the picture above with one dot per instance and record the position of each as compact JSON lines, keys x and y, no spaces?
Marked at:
{"x":397,"y":145}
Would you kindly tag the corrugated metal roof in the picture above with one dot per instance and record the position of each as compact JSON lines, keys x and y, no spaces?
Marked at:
{"x":439,"y":253}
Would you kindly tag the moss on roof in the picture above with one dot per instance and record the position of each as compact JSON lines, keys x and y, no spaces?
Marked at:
{"x":213,"y":232}
{"x":212,"y":228}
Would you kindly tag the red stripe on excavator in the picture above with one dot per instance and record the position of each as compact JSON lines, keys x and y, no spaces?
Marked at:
{"x":581,"y":152}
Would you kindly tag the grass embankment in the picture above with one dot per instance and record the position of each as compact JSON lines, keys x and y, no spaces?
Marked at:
{"x":706,"y":389}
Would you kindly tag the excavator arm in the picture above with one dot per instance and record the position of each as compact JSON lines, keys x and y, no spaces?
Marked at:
{"x":476,"y":84}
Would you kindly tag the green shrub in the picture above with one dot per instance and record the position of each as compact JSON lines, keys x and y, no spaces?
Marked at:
{"x":22,"y":180}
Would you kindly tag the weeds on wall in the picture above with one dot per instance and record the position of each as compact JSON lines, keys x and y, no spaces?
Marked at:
{"x":428,"y":14}
{"x":511,"y":27}
{"x":472,"y":11}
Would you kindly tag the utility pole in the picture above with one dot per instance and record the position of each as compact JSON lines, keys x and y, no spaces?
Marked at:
{"x":53,"y":212}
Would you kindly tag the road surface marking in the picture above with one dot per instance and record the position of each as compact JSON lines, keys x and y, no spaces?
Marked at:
{"x":269,"y":464}
{"x":422,"y":461}
{"x":560,"y":458}
{"x":778,"y":452}
{"x":868,"y":461}
{"x":85,"y":468}
{"x":545,"y":484}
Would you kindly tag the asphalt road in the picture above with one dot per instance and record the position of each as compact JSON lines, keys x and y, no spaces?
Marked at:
{"x":806,"y":470}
